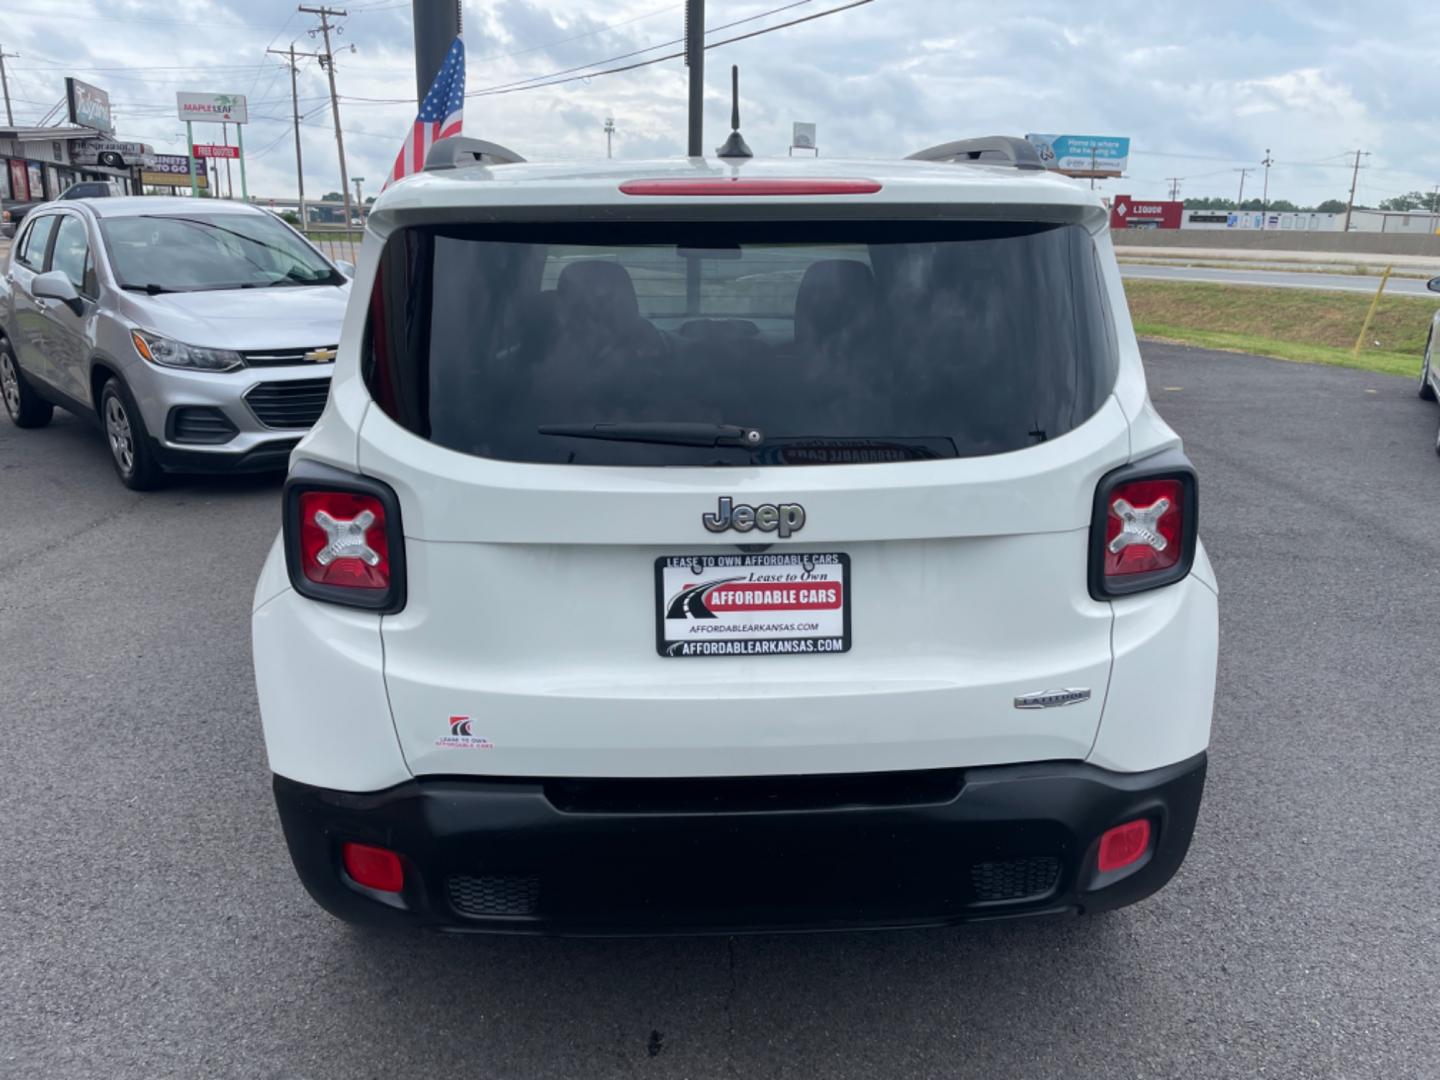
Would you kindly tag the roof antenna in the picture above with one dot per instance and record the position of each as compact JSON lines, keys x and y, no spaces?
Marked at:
{"x":735,"y":145}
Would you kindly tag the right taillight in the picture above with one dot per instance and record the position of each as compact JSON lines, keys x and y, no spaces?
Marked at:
{"x":1142,"y":533}
{"x":343,"y":542}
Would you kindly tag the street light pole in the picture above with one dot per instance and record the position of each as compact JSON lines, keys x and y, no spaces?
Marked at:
{"x":359,"y":199}
{"x":609,"y":132}
{"x":437,"y":25}
{"x":695,"y":61}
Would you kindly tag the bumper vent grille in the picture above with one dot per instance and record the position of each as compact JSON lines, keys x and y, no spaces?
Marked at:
{"x":495,"y":894}
{"x":294,"y":404}
{"x":199,"y":424}
{"x":286,"y":357}
{"x":1015,"y":879}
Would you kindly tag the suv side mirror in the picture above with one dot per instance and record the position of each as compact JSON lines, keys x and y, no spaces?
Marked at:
{"x":1433,"y":284}
{"x":346,"y":267}
{"x":56,"y":286}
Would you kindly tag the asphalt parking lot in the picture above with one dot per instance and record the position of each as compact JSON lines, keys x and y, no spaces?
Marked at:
{"x":151,"y":926}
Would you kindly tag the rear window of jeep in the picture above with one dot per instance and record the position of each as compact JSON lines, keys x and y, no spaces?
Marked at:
{"x":843,"y":343}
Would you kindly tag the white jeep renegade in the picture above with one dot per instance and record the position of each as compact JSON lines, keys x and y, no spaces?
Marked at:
{"x":723,"y":544}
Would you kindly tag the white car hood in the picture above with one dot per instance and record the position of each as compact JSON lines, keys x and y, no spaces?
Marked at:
{"x":246,"y":319}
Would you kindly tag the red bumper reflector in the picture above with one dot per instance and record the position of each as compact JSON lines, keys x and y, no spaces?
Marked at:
{"x":375,"y":868}
{"x":1124,"y":845}
{"x":743,"y":186}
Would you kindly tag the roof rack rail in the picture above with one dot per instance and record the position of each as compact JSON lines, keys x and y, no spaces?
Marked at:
{"x":988,"y":150}
{"x":457,"y":150}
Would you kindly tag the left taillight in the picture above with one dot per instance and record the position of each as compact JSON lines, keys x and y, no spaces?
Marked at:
{"x":343,"y":542}
{"x":1144,"y":526}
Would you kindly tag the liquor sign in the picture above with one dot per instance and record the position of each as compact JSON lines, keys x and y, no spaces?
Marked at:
{"x":1083,"y":155}
{"x":215,"y":108}
{"x":88,"y":106}
{"x":204,"y":150}
{"x":1128,"y":213}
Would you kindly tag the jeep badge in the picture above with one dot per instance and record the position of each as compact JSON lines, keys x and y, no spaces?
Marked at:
{"x":785,"y":518}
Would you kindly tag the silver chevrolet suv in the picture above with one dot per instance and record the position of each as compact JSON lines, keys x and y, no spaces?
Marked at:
{"x":199,"y":335}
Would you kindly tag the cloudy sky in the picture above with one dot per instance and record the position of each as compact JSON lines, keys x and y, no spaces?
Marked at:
{"x":1202,"y":90}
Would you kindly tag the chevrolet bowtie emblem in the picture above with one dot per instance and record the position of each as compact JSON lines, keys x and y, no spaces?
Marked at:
{"x":320,"y":356}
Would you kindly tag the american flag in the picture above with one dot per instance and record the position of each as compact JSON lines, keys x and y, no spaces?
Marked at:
{"x":442,"y":114}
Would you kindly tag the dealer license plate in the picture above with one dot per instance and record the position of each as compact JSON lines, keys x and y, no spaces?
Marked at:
{"x":752,"y":605}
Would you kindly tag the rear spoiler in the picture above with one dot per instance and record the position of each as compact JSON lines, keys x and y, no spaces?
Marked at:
{"x":988,"y":150}
{"x":456,"y":151}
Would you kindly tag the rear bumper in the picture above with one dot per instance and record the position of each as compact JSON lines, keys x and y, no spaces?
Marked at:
{"x":704,"y":855}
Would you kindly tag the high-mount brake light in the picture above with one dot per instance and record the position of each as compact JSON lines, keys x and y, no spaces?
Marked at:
{"x":1143,"y":528}
{"x":343,"y":540}
{"x":748,"y":186}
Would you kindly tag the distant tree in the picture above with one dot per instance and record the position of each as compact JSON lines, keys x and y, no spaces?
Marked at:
{"x":1209,"y":204}
{"x":1284,"y":206}
{"x":332,"y":196}
{"x":291,"y":216}
{"x":1413,"y":200}
{"x":1331,"y":206}
{"x":369,"y":199}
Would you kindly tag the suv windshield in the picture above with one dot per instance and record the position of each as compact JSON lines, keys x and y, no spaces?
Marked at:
{"x":740,"y":344}
{"x":210,"y":251}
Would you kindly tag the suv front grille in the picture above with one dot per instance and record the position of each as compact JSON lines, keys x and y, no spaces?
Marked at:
{"x":1015,"y":879}
{"x":286,"y":357}
{"x":495,"y":894}
{"x":295,"y":404}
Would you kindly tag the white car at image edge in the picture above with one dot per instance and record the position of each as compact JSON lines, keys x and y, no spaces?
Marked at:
{"x":727,"y":544}
{"x":1429,"y":374}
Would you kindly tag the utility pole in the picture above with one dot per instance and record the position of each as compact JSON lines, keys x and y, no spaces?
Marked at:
{"x":5,"y":83}
{"x":695,"y":61}
{"x":295,"y":107}
{"x":1354,"y":182}
{"x":1265,"y":194}
{"x":327,"y":61}
{"x":609,"y":132}
{"x":1240,"y":199}
{"x":1174,"y":187}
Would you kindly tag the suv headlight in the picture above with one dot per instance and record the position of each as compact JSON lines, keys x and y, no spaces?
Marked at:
{"x":168,"y":353}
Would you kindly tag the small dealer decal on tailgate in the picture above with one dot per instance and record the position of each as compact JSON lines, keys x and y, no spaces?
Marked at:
{"x":461,"y":737}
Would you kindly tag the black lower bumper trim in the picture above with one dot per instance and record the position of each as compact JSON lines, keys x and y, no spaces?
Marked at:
{"x":507,"y":855}
{"x":272,"y":456}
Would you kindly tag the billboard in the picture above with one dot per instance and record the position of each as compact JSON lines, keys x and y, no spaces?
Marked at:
{"x":108,"y":153}
{"x":216,"y":108}
{"x":172,"y":170}
{"x":803,"y":136}
{"x":89,"y":106}
{"x":1083,"y":155}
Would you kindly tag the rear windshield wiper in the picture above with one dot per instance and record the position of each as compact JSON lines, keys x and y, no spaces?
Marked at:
{"x":150,"y":289}
{"x":674,"y":434}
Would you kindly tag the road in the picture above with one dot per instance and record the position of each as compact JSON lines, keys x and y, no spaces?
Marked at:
{"x":150,"y":924}
{"x":1278,"y":279}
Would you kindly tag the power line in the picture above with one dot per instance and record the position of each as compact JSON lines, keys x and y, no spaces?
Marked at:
{"x":521,"y":84}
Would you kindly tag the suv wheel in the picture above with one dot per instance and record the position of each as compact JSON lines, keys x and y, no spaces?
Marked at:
{"x":26,"y":408}
{"x":1427,"y":392}
{"x":128,"y":440}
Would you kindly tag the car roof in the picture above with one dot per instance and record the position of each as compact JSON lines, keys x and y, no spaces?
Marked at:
{"x":982,"y":189}
{"x":134,"y":205}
